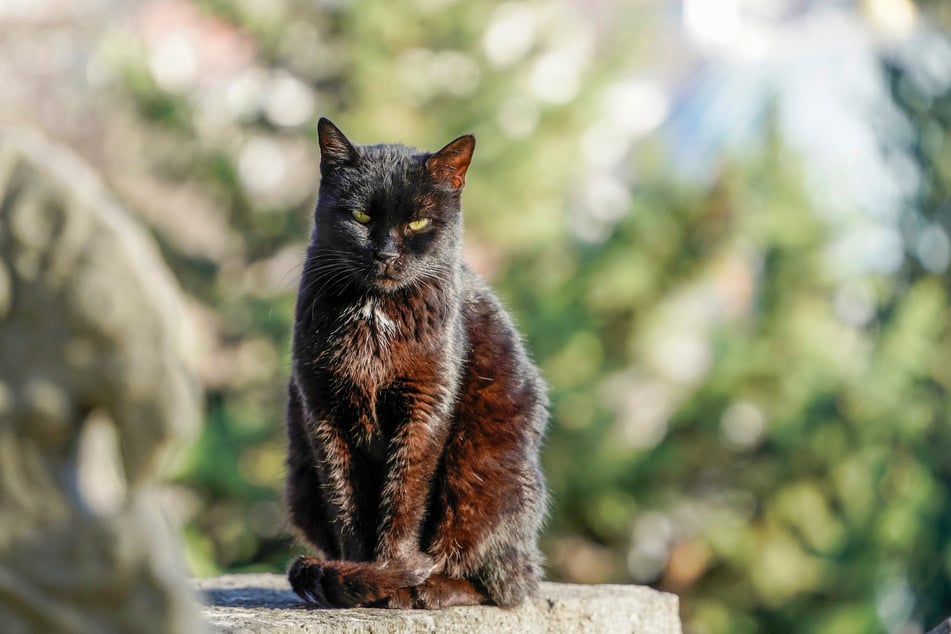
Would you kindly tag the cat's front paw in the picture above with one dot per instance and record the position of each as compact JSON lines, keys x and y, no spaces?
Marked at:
{"x":402,"y":599}
{"x":416,"y":566}
{"x":420,"y":565}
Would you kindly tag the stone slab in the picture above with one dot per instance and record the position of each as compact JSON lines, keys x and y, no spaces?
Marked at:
{"x":264,"y":603}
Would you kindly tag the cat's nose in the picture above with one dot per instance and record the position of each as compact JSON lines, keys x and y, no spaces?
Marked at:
{"x":386,"y":255}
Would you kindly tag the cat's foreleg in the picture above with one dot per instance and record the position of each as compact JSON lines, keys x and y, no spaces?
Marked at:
{"x":415,"y":450}
{"x":335,"y":457}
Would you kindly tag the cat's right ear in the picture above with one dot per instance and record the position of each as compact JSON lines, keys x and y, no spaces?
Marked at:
{"x":335,"y":148}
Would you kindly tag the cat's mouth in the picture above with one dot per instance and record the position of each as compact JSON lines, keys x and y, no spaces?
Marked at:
{"x":388,"y":279}
{"x":387,"y":276}
{"x":388,"y":284}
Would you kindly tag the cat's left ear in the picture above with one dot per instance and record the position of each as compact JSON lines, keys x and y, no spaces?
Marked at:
{"x":449,"y":164}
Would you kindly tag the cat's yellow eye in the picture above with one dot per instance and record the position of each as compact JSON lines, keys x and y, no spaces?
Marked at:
{"x":360,"y":217}
{"x":419,"y":224}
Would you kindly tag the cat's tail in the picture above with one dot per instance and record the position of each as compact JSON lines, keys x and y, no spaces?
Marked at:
{"x":348,"y":584}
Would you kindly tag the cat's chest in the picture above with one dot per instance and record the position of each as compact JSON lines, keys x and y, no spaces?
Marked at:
{"x":366,"y":341}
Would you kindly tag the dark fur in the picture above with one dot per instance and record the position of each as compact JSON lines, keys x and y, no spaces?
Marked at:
{"x":415,"y":416}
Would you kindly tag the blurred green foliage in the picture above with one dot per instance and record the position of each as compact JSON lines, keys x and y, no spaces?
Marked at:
{"x":735,"y":419}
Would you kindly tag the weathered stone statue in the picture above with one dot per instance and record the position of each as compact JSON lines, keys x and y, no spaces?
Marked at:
{"x":93,"y":390}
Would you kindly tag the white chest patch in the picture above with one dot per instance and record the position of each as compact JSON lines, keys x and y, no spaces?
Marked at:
{"x":381,"y":325}
{"x":359,"y":346}
{"x":367,"y":322}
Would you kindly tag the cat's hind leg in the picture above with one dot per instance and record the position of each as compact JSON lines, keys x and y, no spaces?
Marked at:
{"x":511,"y":575}
{"x":485,"y":527}
{"x":489,"y":502}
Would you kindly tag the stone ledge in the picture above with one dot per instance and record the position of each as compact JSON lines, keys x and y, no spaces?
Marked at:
{"x":259,"y":603}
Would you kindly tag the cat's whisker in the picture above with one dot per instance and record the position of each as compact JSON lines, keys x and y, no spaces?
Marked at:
{"x":327,"y":270}
{"x":333,"y":278}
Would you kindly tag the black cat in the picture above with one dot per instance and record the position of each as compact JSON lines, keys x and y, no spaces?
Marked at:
{"x":415,"y":416}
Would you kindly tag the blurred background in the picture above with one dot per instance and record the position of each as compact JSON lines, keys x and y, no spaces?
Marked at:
{"x":722,"y":225}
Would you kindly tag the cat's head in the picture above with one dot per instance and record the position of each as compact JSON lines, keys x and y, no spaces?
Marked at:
{"x":389,"y":215}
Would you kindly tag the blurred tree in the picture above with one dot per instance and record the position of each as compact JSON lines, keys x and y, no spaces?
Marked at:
{"x":756,"y":428}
